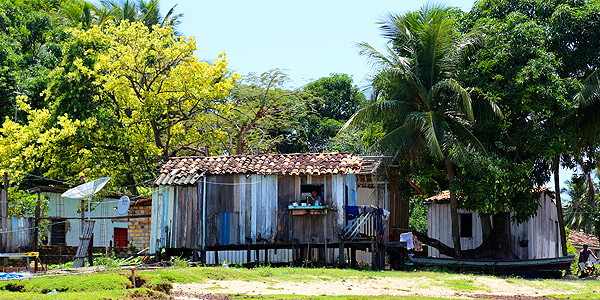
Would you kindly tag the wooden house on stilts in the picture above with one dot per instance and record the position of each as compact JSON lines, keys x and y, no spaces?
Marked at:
{"x":247,"y":208}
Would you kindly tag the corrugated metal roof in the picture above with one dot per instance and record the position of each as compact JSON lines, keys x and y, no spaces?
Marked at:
{"x":188,"y":170}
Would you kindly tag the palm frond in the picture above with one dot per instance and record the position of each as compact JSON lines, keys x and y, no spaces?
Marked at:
{"x":380,"y":110}
{"x":456,"y":92}
{"x":590,"y":91}
{"x":396,"y":142}
{"x":463,"y":138}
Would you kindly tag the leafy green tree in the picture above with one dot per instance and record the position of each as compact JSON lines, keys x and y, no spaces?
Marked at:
{"x":421,"y":104}
{"x":23,"y":204}
{"x":30,"y":48}
{"x":260,"y":114}
{"x":533,"y":59}
{"x":137,"y":105}
{"x":330,"y":102}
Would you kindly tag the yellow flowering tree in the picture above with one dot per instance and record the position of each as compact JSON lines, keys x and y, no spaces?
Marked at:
{"x":123,"y":100}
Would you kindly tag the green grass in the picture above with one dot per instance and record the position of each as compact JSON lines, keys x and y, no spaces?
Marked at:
{"x":107,"y":285}
{"x":157,"y":283}
{"x":381,"y":297}
{"x":87,"y":295}
{"x":79,"y":283}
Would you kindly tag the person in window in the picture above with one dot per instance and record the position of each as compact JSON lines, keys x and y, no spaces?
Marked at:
{"x":584,"y":257}
{"x":314,"y":199}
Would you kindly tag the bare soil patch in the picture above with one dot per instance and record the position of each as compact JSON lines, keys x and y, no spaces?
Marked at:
{"x":477,"y":287}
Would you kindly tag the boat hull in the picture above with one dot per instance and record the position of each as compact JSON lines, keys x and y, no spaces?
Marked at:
{"x":545,"y":267}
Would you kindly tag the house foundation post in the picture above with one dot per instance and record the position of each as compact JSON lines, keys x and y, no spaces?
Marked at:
{"x":248,"y":254}
{"x":341,"y":259}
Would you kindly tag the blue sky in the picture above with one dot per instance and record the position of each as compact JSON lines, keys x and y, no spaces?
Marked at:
{"x":308,"y":39}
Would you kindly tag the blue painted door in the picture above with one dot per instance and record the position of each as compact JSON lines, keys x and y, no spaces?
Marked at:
{"x":225,"y":228}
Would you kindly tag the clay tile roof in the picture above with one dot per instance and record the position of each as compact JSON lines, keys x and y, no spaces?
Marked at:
{"x":439,"y":198}
{"x":444,"y":196}
{"x":187,"y":170}
{"x":579,"y":238}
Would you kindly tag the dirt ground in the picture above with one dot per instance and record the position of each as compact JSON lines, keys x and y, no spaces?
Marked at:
{"x":484,"y":287}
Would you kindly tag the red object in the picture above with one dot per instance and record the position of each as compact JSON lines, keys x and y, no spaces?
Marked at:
{"x":121,"y":237}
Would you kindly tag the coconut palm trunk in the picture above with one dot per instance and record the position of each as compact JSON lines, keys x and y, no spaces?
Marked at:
{"x":453,"y":208}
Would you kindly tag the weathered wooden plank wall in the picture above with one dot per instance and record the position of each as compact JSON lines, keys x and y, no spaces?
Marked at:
{"x":243,"y":209}
{"x":541,"y":231}
{"x":17,"y":235}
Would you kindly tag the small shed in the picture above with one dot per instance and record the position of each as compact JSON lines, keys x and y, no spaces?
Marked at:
{"x":248,"y":201}
{"x":534,"y":239}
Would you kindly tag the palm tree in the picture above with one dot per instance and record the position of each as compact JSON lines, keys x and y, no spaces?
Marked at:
{"x":579,"y":213}
{"x":77,"y":14}
{"x":417,"y":95}
{"x":147,"y":12}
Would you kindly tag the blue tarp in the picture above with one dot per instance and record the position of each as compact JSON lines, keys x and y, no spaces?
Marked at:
{"x":9,"y":276}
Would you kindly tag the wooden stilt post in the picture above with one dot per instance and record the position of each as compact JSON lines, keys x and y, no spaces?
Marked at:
{"x":217,"y":262}
{"x":267,"y":256}
{"x":341,"y":259}
{"x":353,"y":257}
{"x":4,"y":214}
{"x":326,"y":253}
{"x":90,"y":251}
{"x":36,"y":224}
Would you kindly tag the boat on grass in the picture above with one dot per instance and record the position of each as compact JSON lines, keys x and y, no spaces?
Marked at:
{"x":530,"y":268}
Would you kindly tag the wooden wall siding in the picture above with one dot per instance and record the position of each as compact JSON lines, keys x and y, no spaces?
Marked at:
{"x":350,"y":181}
{"x":220,"y":191}
{"x":399,"y":209}
{"x":263,"y":216}
{"x":288,"y":192}
{"x":254,"y":209}
{"x":322,"y":228}
{"x":16,"y":239}
{"x":541,"y":231}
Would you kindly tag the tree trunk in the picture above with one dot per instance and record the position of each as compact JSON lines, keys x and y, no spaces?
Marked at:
{"x":453,"y":208}
{"x":559,"y":210}
{"x":129,"y":179}
{"x":496,"y":239}
{"x":443,"y":248}
{"x":486,"y":228}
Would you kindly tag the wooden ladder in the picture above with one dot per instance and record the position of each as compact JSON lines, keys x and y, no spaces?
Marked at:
{"x":84,"y":243}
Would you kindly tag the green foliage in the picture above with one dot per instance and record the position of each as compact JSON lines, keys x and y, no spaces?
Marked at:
{"x":418,"y":214}
{"x":579,"y":214}
{"x":260,"y":114}
{"x":30,"y":47}
{"x":493,"y":184}
{"x":177,"y":262}
{"x":329,"y":102}
{"x":537,"y":90}
{"x":109,"y":118}
{"x":22,"y":203}
{"x":337,"y":97}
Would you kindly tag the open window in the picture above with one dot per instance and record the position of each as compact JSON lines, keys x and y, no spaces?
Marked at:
{"x":58,"y":232}
{"x":466,"y":225}
{"x":307,"y":189}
